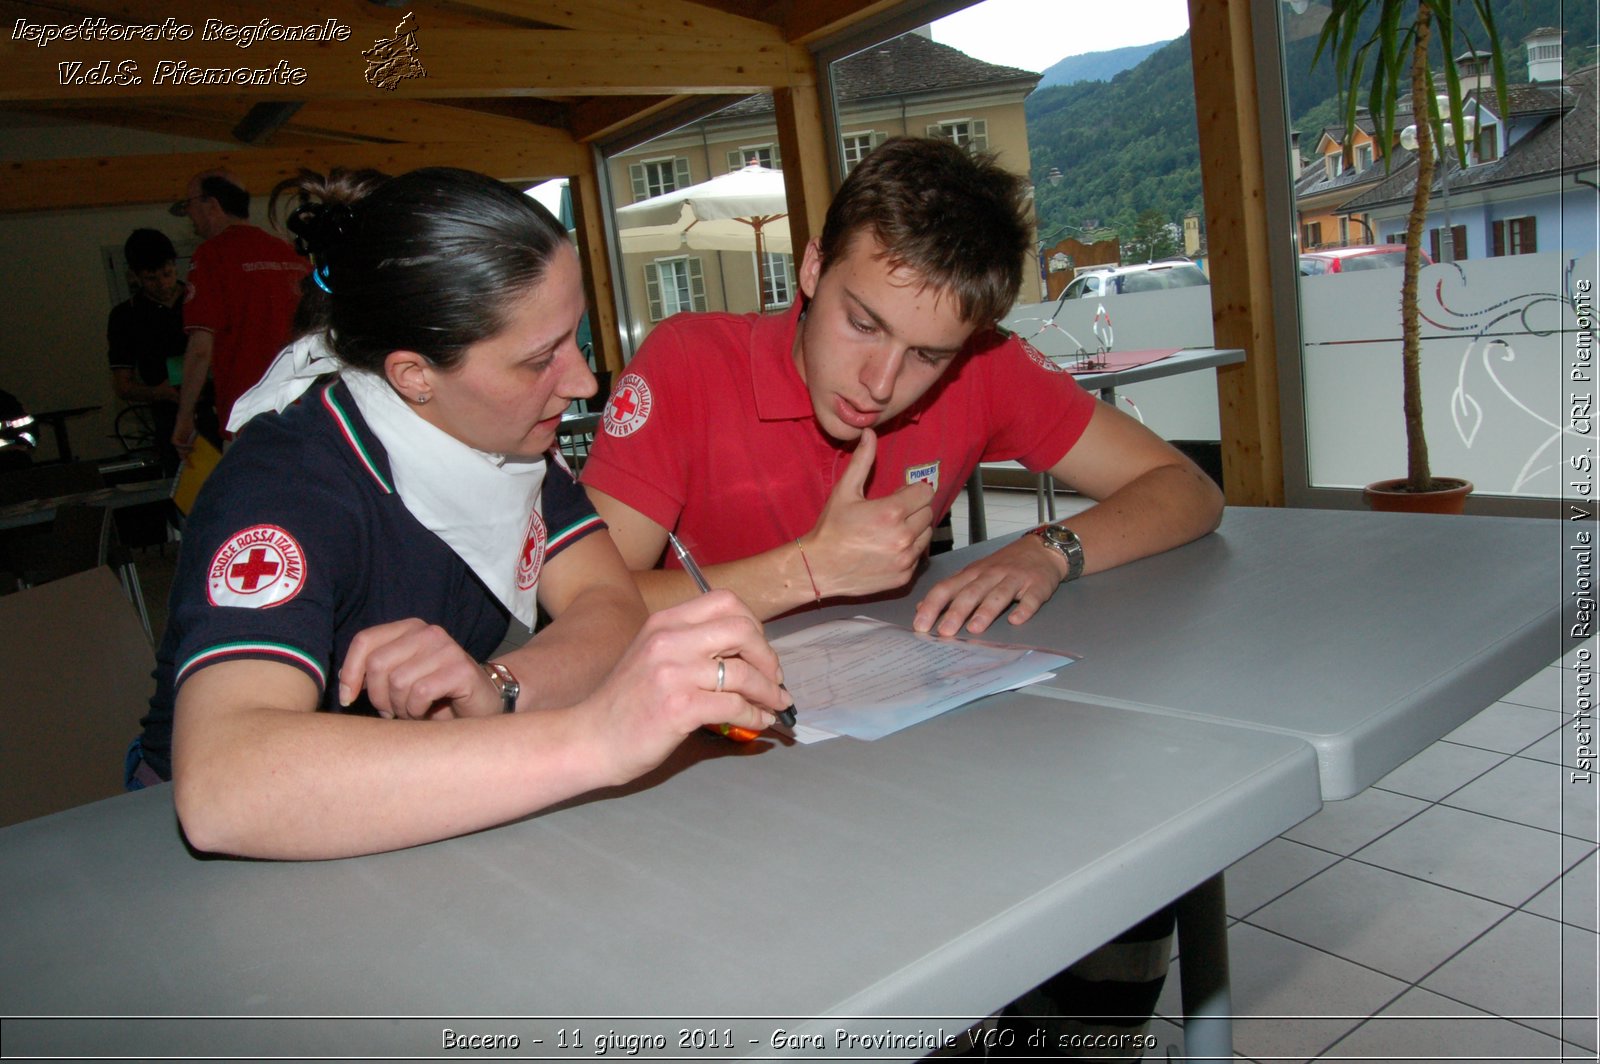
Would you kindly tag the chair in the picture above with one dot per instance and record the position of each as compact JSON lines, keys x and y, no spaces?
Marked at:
{"x":78,"y":674}
{"x":79,"y":538}
{"x":135,"y":429}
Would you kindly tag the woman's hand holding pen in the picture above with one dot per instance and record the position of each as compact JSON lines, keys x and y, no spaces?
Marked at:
{"x":859,"y":545}
{"x":702,"y":662}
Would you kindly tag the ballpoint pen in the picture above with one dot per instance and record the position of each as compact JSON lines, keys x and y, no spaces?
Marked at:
{"x":785,"y":716}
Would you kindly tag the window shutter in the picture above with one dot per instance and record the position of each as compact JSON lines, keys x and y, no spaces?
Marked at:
{"x":640,"y":189}
{"x":697,"y":284}
{"x":1530,"y":243}
{"x":652,"y":288}
{"x":937,"y":131}
{"x":980,"y":135}
{"x":1458,"y":240}
{"x":777,"y":157}
{"x":878,"y":138}
{"x":1433,"y":244}
{"x":735,"y":160}
{"x":680,"y":173}
{"x":1497,"y":234}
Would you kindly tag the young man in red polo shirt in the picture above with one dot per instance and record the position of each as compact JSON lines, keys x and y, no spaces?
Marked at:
{"x":807,"y":456}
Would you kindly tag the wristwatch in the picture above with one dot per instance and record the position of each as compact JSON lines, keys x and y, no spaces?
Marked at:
{"x":505,"y":683}
{"x":1063,"y":541}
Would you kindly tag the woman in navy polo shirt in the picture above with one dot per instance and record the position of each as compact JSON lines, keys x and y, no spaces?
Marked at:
{"x":392,"y":499}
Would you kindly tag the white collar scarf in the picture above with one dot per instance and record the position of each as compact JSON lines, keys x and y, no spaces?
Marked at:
{"x":485,"y":507}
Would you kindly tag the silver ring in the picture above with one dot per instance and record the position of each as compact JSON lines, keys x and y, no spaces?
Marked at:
{"x":722,"y":673}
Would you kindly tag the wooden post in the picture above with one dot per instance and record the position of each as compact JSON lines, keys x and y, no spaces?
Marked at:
{"x":1236,"y":226}
{"x":805,"y":149}
{"x":597,"y":281}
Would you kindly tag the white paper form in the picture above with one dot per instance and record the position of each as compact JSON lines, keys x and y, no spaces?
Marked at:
{"x":867,"y":678}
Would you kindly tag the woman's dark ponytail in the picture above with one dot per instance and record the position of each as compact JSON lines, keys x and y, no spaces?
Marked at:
{"x":428,"y":261}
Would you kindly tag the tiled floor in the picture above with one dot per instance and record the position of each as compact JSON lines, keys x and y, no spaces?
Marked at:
{"x":1447,"y":913}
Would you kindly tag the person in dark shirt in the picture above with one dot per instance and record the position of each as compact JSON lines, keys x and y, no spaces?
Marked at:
{"x":144,"y":336}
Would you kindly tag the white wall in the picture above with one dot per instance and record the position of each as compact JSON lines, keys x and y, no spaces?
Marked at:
{"x":53,"y":316}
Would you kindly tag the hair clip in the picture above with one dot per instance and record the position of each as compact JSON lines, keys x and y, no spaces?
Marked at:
{"x":320,"y":276}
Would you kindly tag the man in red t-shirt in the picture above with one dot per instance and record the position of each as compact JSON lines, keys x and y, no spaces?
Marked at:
{"x":808,"y":456}
{"x":244,"y":286}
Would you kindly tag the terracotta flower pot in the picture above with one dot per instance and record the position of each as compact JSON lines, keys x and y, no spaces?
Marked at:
{"x":1391,"y":496}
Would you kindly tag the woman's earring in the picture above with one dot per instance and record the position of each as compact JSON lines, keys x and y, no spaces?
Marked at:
{"x":423,"y":398}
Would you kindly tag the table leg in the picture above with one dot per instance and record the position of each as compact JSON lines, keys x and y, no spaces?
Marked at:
{"x":977,"y":519}
{"x":1203,"y":970}
{"x":1045,"y":490}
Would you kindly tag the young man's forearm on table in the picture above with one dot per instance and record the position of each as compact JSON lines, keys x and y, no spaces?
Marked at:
{"x":770,"y":583}
{"x":1164,"y":507}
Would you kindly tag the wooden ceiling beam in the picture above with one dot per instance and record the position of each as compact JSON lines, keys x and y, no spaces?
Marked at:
{"x":500,"y":62}
{"x":638,"y":16}
{"x":176,"y":121}
{"x":415,"y":120}
{"x":62,"y":184}
{"x":816,"y":20}
{"x":597,"y":118}
{"x":552,"y":111}
{"x":367,"y":21}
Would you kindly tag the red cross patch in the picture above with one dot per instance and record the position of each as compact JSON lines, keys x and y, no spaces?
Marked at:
{"x":259,"y":567}
{"x":629,"y":407}
{"x":531,"y":560}
{"x":1039,"y":358}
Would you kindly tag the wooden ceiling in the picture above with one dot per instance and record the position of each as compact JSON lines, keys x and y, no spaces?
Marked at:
{"x":516,"y":88}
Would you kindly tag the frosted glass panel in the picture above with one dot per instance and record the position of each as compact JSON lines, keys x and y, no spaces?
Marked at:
{"x":1500,"y":338}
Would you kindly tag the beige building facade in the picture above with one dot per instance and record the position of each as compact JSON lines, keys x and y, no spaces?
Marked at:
{"x":907,"y":86}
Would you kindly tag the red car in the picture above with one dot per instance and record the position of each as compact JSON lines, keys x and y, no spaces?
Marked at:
{"x":1358,"y":257}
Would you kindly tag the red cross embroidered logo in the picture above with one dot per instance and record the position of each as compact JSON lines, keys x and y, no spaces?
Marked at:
{"x":531,"y":560}
{"x":259,"y":567}
{"x":1038,"y":357}
{"x":629,"y":407}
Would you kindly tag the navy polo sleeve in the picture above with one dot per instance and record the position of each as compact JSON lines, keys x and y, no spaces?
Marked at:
{"x":270,"y":555}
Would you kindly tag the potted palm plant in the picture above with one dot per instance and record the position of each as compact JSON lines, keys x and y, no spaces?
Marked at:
{"x":1384,"y":45}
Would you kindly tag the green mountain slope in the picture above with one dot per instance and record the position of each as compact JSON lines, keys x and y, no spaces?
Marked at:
{"x":1129,"y":145}
{"x":1096,"y":66}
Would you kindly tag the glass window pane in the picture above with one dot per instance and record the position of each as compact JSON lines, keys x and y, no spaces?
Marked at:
{"x":1494,"y":305}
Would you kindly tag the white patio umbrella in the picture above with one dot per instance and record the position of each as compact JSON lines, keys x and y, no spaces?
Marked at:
{"x":727,"y":213}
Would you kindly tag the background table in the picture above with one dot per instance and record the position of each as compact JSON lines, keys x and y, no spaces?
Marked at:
{"x":114,"y":497}
{"x":937,"y":873}
{"x":1106,"y":382}
{"x":1187,"y":360}
{"x":57,"y":420}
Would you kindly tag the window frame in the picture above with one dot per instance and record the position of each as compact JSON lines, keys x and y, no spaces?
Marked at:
{"x":693,"y":282}
{"x":640,"y":170}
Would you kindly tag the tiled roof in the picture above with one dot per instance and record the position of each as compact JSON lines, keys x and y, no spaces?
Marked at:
{"x":908,"y":63}
{"x":1314,"y":180}
{"x":1561,"y":143}
{"x":1526,"y":99}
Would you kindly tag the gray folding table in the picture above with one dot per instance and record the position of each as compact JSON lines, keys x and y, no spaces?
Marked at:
{"x":893,"y":890}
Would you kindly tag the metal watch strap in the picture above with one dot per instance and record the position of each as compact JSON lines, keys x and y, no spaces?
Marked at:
{"x":1064,"y":541}
{"x":504,"y":682}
